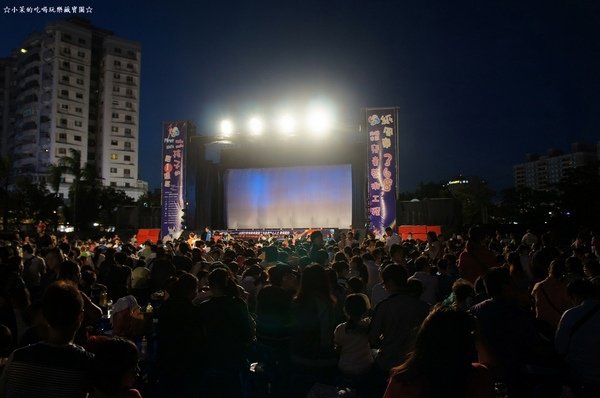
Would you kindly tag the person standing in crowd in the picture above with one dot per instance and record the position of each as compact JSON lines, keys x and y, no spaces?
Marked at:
{"x":433,"y":249}
{"x":429,"y":282}
{"x":576,"y":338}
{"x":444,"y":361}
{"x":508,"y":330}
{"x":227,"y":331}
{"x":34,"y":267}
{"x":115,"y":369}
{"x":351,"y":339}
{"x":54,"y":367}
{"x":550,"y":297}
{"x":391,"y":238}
{"x":314,"y":320}
{"x":179,"y":336}
{"x":395,"y":321}
{"x":476,"y":259}
{"x":42,"y":240}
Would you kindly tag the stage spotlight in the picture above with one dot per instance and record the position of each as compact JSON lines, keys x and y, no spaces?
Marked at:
{"x":256,"y":125}
{"x":226,"y":128}
{"x":286,"y":124}
{"x":319,"y":121}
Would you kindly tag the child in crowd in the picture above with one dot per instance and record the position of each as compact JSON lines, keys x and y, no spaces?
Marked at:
{"x":352,"y":341}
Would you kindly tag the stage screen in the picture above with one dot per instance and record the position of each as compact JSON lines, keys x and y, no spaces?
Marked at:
{"x":289,"y":197}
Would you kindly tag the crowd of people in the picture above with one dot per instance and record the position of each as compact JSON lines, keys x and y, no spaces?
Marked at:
{"x":484,"y":316}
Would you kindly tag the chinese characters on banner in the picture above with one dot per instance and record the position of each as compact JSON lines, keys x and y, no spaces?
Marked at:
{"x":173,"y":182}
{"x":382,"y":152}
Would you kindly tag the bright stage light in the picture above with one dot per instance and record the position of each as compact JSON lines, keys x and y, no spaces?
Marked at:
{"x":286,"y":124}
{"x":226,"y":128}
{"x":256,"y":125}
{"x":319,"y":121}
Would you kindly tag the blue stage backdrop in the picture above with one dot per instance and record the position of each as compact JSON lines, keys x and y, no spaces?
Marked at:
{"x":289,"y":197}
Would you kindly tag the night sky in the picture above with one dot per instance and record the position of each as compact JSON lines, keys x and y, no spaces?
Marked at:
{"x":479,"y":83}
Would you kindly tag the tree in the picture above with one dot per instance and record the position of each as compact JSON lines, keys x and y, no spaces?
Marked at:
{"x":83,"y":189}
{"x":476,"y":199}
{"x":526,"y":206}
{"x":5,"y":166}
{"x":427,"y":190}
{"x":33,"y":201}
{"x":579,"y":192}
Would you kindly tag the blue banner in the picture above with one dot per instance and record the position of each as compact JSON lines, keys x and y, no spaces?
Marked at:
{"x":173,"y":179}
{"x":382,"y":157}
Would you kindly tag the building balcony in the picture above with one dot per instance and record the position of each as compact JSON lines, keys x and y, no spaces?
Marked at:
{"x":25,"y":165}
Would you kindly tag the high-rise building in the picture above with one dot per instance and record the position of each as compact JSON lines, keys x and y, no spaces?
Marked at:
{"x":5,"y":103}
{"x":77,"y":88}
{"x":542,"y":172}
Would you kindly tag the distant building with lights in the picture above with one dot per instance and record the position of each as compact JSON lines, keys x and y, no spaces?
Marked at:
{"x":542,"y":172}
{"x":73,"y":86}
{"x":461,"y":181}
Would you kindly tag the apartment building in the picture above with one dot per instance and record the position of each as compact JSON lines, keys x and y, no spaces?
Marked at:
{"x":542,"y":172}
{"x":76,"y":87}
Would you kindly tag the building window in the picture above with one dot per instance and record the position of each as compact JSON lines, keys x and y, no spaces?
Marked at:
{"x":114,"y":142}
{"x":129,"y":91}
{"x":62,"y":137}
{"x":66,"y":36}
{"x":126,"y":172}
{"x":128,"y":105}
{"x":65,"y":79}
{"x":64,"y":107}
{"x":81,"y":41}
{"x":117,"y":50}
{"x":113,"y":170}
{"x":66,"y":64}
{"x":78,"y":110}
{"x":116,"y":76}
{"x":63,"y":122}
{"x":113,"y":184}
{"x":78,"y":138}
{"x":115,"y":115}
{"x":127,"y":145}
{"x":114,"y":156}
{"x":80,"y":82}
{"x":116,"y":89}
{"x":127,"y":185}
{"x":80,"y":54}
{"x":128,"y":118}
{"x":129,"y":79}
{"x":127,"y":131}
{"x":62,"y":151}
{"x":66,"y":50}
{"x":64,"y":93}
{"x":80,"y":68}
{"x":117,"y":62}
{"x":79,"y":95}
{"x":129,"y":66}
{"x":115,"y":103}
{"x":127,"y":158}
{"x":114,"y":129}
{"x":78,"y":123}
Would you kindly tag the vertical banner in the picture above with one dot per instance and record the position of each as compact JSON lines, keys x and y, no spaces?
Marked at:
{"x":382,"y":152}
{"x":173,"y":179}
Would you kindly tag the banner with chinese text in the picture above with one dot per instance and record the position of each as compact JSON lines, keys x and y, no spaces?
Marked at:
{"x":173,"y":179}
{"x":382,"y":152}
